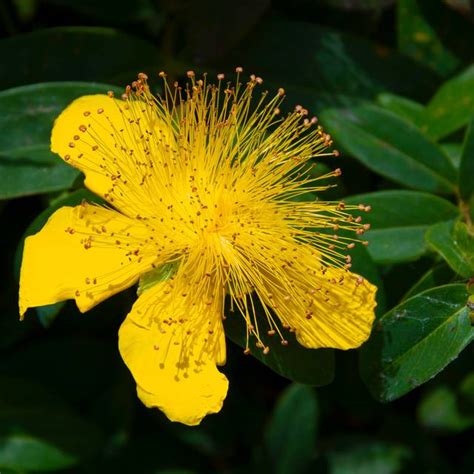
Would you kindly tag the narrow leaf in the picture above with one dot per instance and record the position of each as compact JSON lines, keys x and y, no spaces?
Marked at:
{"x":466,"y":168}
{"x":296,"y":412}
{"x":451,"y":107}
{"x":453,"y":241}
{"x":399,"y":220}
{"x":392,"y":147}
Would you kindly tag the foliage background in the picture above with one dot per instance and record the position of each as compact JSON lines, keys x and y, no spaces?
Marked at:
{"x":394,"y":83}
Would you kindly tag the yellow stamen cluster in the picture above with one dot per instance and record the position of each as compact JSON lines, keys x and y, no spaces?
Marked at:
{"x":217,"y":173}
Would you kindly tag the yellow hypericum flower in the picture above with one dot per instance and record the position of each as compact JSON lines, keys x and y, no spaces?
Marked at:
{"x":201,"y":185}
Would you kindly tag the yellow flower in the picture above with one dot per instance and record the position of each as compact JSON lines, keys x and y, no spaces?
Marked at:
{"x":201,"y":185}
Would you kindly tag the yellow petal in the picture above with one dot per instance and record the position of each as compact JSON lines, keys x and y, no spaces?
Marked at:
{"x":111,"y":142}
{"x":324,"y":306}
{"x":87,"y":253}
{"x":171,"y":342}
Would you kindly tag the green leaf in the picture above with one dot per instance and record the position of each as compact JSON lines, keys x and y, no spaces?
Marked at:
{"x":453,"y":241}
{"x":290,"y":437}
{"x":392,"y":147}
{"x":369,"y":457}
{"x":28,"y":113}
{"x":418,"y":39}
{"x":452,"y":106}
{"x":157,"y":275}
{"x":439,"y":275}
{"x":308,"y":366}
{"x":466,"y":167}
{"x":38,"y":431}
{"x":399,"y":220}
{"x":438,"y":410}
{"x":80,"y":53}
{"x":405,"y":108}
{"x":415,"y":340}
{"x":330,"y":66}
{"x":453,"y":151}
{"x":466,"y":390}
{"x":33,"y":170}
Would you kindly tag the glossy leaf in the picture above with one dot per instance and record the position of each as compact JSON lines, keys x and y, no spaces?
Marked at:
{"x":452,"y":106}
{"x":399,"y":220}
{"x":415,"y":340}
{"x":466,"y":167}
{"x":455,"y":244}
{"x":295,"y":411}
{"x":33,"y":170}
{"x":392,"y":147}
{"x":28,"y":113}
{"x":405,"y":108}
{"x":80,"y":53}
{"x":308,"y":366}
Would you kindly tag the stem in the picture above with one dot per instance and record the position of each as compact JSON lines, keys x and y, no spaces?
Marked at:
{"x":466,"y":213}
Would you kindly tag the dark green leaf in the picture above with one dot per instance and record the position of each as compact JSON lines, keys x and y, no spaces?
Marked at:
{"x":416,"y":340}
{"x":455,"y":244}
{"x":466,"y":168}
{"x":368,"y":458}
{"x":392,"y":147}
{"x":439,"y":275}
{"x":405,"y":108}
{"x":308,"y":366}
{"x":38,"y":432}
{"x":328,"y":65}
{"x":28,"y":113}
{"x":296,"y":412}
{"x":33,"y":170}
{"x":453,"y":151}
{"x":399,"y":220}
{"x":451,"y":107}
{"x":438,"y":410}
{"x":418,"y":39}
{"x":466,"y":390}
{"x":75,"y":53}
